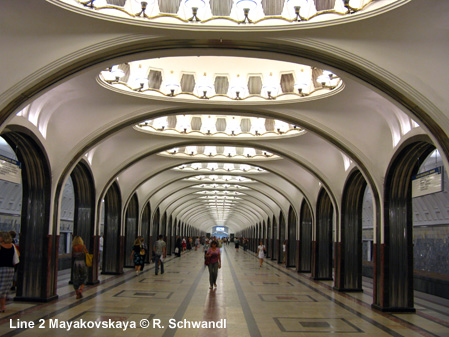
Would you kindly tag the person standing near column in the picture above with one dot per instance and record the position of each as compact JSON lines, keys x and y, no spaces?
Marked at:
{"x":261,"y":253}
{"x":159,"y":251}
{"x":178,"y":247}
{"x":284,"y":252}
{"x":100,"y":249}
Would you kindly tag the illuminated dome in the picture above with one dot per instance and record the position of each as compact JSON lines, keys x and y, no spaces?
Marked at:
{"x":235,"y":80}
{"x":219,"y":168}
{"x":245,"y":14}
{"x":219,"y":152}
{"x":220,"y":179}
{"x":221,"y":187}
{"x":219,"y":126}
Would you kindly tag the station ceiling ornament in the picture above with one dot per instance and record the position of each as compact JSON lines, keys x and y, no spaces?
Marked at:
{"x":220,"y":78}
{"x":219,"y":127}
{"x":236,"y":12}
{"x":220,"y":179}
{"x":219,"y":168}
{"x":219,"y":152}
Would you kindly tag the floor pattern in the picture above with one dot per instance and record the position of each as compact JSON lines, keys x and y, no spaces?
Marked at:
{"x":250,"y":300}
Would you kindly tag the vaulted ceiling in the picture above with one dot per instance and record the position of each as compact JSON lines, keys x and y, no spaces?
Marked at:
{"x":392,"y":63}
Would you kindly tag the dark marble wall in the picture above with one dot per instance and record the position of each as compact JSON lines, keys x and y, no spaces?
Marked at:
{"x":431,"y":248}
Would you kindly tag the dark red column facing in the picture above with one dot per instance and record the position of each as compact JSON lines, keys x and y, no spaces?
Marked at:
{"x":338,"y":263}
{"x":313,"y":263}
{"x":94,"y":270}
{"x":375,"y":278}
{"x":52,"y":267}
{"x":121,"y":262}
{"x":297,"y":255}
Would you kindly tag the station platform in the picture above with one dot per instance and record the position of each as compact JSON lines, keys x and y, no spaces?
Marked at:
{"x":249,"y":300}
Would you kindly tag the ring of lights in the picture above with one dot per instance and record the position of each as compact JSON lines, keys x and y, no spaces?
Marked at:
{"x":230,"y":79}
{"x":219,"y":127}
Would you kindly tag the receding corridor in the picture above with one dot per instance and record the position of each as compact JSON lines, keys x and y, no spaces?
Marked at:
{"x":251,"y":301}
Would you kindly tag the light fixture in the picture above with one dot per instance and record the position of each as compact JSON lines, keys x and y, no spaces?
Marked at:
{"x":271,"y":87}
{"x":249,"y":152}
{"x":246,"y":6}
{"x":232,"y":125}
{"x":117,"y":73}
{"x":323,"y":79}
{"x":183,"y":123}
{"x":230,"y":150}
{"x":348,"y":7}
{"x":89,"y":3}
{"x":208,"y":125}
{"x":328,"y":73}
{"x":143,"y":5}
{"x":160,"y":123}
{"x":238,"y":87}
{"x":140,"y":77}
{"x":301,"y":87}
{"x":194,"y":5}
{"x":191,"y":150}
{"x":281,"y":126}
{"x":295,"y":7}
{"x":172,"y":84}
{"x":210,"y":151}
{"x":204,"y":86}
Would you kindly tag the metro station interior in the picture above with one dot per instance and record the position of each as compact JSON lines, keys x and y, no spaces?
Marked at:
{"x":321,"y":125}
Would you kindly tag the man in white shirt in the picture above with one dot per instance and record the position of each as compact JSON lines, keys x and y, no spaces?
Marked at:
{"x":159,"y":249}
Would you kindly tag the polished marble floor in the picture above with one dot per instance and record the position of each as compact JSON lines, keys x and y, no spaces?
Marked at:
{"x":249,"y":301}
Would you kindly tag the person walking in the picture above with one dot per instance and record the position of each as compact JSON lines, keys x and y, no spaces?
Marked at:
{"x":189,"y":243}
{"x":237,"y":244}
{"x":261,"y":253}
{"x":159,"y":254}
{"x":214,"y":256}
{"x":79,"y":267}
{"x":100,"y":249}
{"x":197,"y":243}
{"x":7,"y":251}
{"x":138,"y":255}
{"x":145,"y":251}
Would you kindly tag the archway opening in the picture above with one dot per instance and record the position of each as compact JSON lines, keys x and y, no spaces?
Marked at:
{"x":323,"y":238}
{"x":349,"y":250}
{"x":396,"y":262}
{"x":113,"y":241}
{"x":305,"y":239}
{"x":83,"y":191}
{"x":292,"y":243}
{"x":131,"y":229}
{"x":37,"y":274}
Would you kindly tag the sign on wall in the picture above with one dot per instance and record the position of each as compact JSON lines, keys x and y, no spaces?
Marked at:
{"x":10,"y":170}
{"x":427,"y":182}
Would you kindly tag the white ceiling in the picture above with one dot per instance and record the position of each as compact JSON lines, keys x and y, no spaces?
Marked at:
{"x":393,"y":66}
